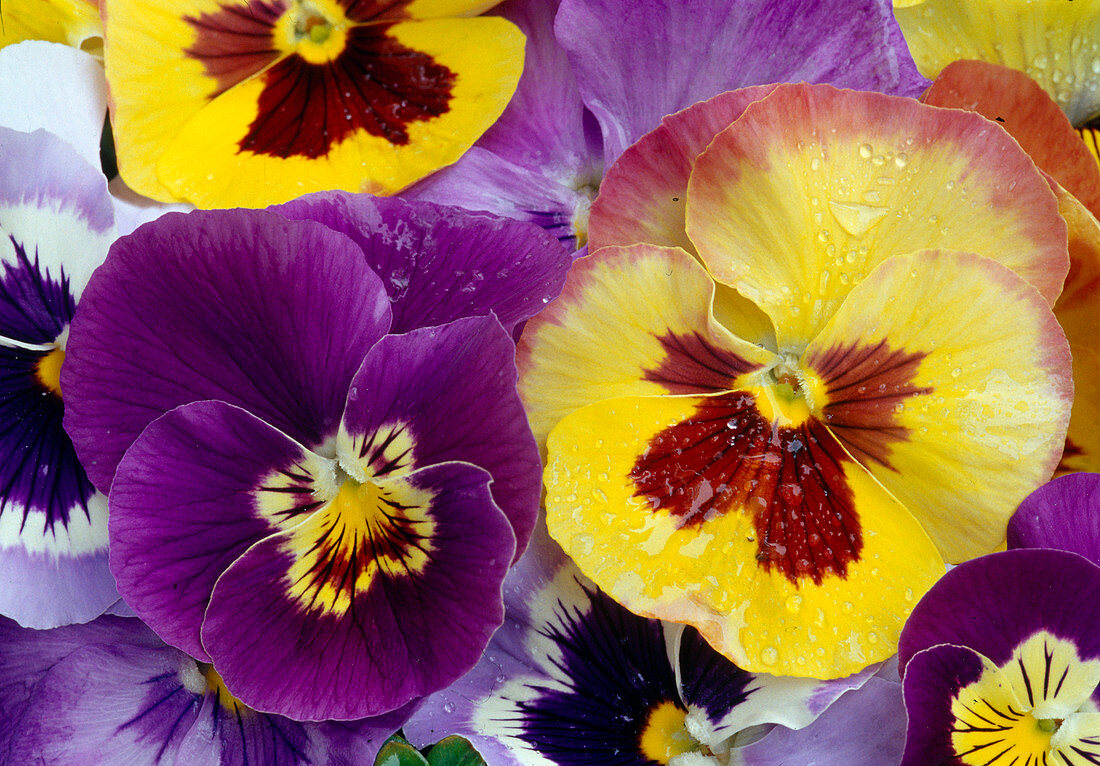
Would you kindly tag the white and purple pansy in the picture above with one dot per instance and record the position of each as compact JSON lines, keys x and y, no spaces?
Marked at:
{"x":586,"y":95}
{"x":1001,"y":663}
{"x":110,"y":691}
{"x":319,"y":467}
{"x":574,"y":678}
{"x":56,"y":223}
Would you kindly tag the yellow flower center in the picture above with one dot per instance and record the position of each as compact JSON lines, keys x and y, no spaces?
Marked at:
{"x":665,"y":735}
{"x":48,"y":370}
{"x":314,"y":30}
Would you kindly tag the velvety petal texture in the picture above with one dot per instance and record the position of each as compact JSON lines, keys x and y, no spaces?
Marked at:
{"x":111,"y":692}
{"x":56,"y":223}
{"x":1002,"y":656}
{"x":321,"y":510}
{"x":164,"y":326}
{"x":438,"y":264}
{"x":1063,"y":514}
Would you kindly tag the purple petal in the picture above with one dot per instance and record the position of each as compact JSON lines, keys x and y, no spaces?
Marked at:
{"x":1064,"y":515}
{"x":200,"y":486}
{"x":440,"y":264}
{"x":441,"y":394}
{"x":362,"y":626}
{"x":481,"y":180}
{"x":865,"y":727}
{"x":932,"y":680}
{"x":45,"y":590}
{"x":665,"y":55}
{"x":991,"y":604}
{"x":545,"y":126}
{"x":570,"y":678}
{"x":239,"y":305}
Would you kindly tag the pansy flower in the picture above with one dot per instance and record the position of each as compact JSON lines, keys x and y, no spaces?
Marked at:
{"x":586,"y":95}
{"x":110,"y":691}
{"x":572,"y":677}
{"x":56,"y":224}
{"x":1001,"y":663}
{"x":249,"y":102}
{"x":318,"y":464}
{"x":832,"y":329}
{"x":1023,"y":108}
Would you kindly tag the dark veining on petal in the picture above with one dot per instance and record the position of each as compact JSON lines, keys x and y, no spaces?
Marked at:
{"x":727,"y":456}
{"x":295,"y":486}
{"x":39,"y":470}
{"x":615,"y":670}
{"x":387,"y":450}
{"x":710,"y":681}
{"x":693,"y":365}
{"x":375,"y":85}
{"x":35,"y":305}
{"x":235,"y":42}
{"x":865,"y":385}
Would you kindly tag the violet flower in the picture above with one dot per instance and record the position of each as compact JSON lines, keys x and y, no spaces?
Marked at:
{"x":320,"y":508}
{"x":110,"y":691}
{"x":586,"y":95}
{"x":56,"y":223}
{"x":574,"y":678}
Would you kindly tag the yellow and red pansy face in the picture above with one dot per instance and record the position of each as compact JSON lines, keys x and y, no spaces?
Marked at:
{"x":250,"y":102}
{"x":793,"y":494}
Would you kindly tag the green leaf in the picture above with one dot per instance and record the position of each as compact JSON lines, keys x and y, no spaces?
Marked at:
{"x":398,"y":752}
{"x":454,"y":751}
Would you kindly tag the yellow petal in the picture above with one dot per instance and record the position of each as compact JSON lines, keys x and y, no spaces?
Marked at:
{"x":70,"y":22}
{"x":799,"y":199}
{"x":777,"y":546}
{"x":985,"y":373}
{"x":1055,"y":43}
{"x":630,"y":320}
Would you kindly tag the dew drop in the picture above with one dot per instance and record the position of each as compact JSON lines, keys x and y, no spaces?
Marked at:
{"x":956,"y":372}
{"x":769,"y":656}
{"x":865,"y":151}
{"x":794,"y":603}
{"x":856,"y":218}
{"x":448,"y":707}
{"x":815,"y":163}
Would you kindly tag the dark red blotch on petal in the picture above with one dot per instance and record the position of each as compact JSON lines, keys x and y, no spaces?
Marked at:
{"x":866,"y":385}
{"x":791,"y":479}
{"x":375,"y":85}
{"x":693,"y":365}
{"x":235,"y":42}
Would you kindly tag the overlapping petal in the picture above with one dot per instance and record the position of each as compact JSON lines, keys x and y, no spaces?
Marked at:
{"x":56,"y":223}
{"x":439,"y":265}
{"x":1063,"y":514}
{"x":745,"y":496}
{"x":246,"y":102}
{"x":71,"y":22}
{"x":1054,"y":43}
{"x":164,"y":326}
{"x":794,"y":219}
{"x":674,"y":344}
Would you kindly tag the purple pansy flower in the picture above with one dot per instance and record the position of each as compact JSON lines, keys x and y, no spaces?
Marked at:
{"x":56,"y":224}
{"x":587,"y":94}
{"x":1001,"y":661}
{"x":319,"y":507}
{"x":111,"y":692}
{"x":574,"y":678}
{"x":1063,"y":514}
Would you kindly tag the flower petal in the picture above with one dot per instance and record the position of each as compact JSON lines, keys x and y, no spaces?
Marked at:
{"x":672,"y":343}
{"x":794,"y":218}
{"x":770,"y":540}
{"x":1063,"y":514}
{"x":1009,"y":596}
{"x":1029,"y":115}
{"x":934,"y":407}
{"x":73,"y":107}
{"x":446,"y":394}
{"x":644,"y":194}
{"x":164,"y":323}
{"x":1054,"y":43}
{"x":439,"y":264}
{"x":356,"y":620}
{"x":197,"y":488}
{"x":665,"y":55}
